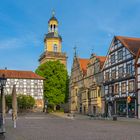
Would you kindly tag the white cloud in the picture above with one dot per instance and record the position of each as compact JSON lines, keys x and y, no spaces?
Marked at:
{"x":18,"y":42}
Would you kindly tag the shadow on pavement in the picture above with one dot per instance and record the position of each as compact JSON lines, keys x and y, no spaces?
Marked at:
{"x":2,"y":137}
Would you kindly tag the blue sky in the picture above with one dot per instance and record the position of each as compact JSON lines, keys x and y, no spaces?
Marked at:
{"x":87,"y":24}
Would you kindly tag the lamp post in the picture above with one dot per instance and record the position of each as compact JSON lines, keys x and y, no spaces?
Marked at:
{"x":2,"y":84}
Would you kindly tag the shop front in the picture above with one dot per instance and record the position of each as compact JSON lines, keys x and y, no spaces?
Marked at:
{"x":123,"y":108}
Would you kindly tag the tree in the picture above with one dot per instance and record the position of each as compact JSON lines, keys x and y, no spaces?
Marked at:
{"x":56,"y":82}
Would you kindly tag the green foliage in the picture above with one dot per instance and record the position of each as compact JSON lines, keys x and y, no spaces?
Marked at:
{"x":24,"y":101}
{"x":8,"y":99}
{"x":56,"y":82}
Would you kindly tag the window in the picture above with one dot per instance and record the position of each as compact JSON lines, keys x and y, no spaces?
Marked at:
{"x":129,"y":69}
{"x":99,"y":92}
{"x":113,"y":74}
{"x":131,"y":86}
{"x":120,"y":72}
{"x":123,"y":87}
{"x":111,"y":89}
{"x":112,"y":58}
{"x":107,"y":76}
{"x":116,"y":88}
{"x":120,"y":55}
{"x":55,"y":48}
{"x":76,"y":91}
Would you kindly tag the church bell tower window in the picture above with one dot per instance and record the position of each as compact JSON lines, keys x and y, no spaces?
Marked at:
{"x":55,"y":48}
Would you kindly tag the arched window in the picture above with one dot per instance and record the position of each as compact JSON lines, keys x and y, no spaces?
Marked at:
{"x":55,"y":48}
{"x":51,"y":27}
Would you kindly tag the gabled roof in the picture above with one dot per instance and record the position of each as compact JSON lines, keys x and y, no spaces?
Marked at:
{"x":83,"y":64}
{"x":137,"y":57}
{"x":102,"y":60}
{"x":20,"y":74}
{"x":132,"y":44}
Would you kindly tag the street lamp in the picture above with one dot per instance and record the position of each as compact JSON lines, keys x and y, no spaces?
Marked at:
{"x":2,"y":84}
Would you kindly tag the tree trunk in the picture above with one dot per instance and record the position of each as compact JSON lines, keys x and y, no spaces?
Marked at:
{"x":54,"y":107}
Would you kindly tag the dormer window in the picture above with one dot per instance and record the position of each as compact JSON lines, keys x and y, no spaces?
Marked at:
{"x":55,"y":48}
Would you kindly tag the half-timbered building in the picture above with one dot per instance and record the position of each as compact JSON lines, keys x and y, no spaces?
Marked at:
{"x":120,"y":77}
{"x":137,"y":66}
{"x":27,"y":83}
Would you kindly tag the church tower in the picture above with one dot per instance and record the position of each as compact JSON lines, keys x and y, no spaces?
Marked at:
{"x":53,"y":44}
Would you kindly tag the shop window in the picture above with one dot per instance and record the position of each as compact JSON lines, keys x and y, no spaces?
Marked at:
{"x":123,"y":87}
{"x":131,"y":86}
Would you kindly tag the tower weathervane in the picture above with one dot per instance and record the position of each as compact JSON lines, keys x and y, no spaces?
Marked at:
{"x":53,"y":12}
{"x":75,"y":52}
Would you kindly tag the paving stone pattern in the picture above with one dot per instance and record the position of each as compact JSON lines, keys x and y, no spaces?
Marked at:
{"x":39,"y":126}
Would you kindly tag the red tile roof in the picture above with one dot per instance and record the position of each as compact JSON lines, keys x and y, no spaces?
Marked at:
{"x":132,"y":44}
{"x":83,"y":64}
{"x":102,"y":60}
{"x":20,"y":74}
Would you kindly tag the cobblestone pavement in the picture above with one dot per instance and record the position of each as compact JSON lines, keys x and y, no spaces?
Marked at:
{"x":39,"y":126}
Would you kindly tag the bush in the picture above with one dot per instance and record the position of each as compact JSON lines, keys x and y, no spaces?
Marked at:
{"x":8,"y":99}
{"x":23,"y":101}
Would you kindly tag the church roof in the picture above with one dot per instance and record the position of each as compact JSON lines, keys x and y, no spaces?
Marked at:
{"x":83,"y":64}
{"x":52,"y":35}
{"x":132,"y":44}
{"x":20,"y":74}
{"x":53,"y":18}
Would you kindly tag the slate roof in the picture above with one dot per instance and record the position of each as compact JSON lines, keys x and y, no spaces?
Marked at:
{"x":132,"y":44}
{"x":52,"y":35}
{"x":20,"y":74}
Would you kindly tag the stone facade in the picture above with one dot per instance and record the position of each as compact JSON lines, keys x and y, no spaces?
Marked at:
{"x":77,"y":83}
{"x":94,"y":78}
{"x":86,"y":90}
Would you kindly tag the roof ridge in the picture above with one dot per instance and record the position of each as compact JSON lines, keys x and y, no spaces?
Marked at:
{"x":17,"y":70}
{"x":128,"y":37}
